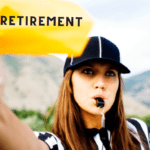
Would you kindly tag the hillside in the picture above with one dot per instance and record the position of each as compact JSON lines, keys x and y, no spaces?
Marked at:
{"x":134,"y":107}
{"x":31,"y":82}
{"x":138,"y":87}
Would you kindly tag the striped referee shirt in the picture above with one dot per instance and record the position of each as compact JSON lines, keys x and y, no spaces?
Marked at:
{"x":134,"y":124}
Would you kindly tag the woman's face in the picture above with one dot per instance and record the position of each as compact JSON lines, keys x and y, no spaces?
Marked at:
{"x":92,"y":80}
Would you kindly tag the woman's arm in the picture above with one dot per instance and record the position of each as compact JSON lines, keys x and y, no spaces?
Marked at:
{"x":14,"y":134}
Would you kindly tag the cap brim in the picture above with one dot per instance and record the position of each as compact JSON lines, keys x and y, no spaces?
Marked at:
{"x":121,"y":68}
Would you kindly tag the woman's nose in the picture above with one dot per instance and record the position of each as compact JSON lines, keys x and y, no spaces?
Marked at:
{"x":100,"y":83}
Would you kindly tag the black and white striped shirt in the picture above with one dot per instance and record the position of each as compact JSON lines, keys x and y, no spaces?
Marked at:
{"x":134,"y":124}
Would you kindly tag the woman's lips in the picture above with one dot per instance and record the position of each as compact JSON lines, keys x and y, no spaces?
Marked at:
{"x":99,"y":97}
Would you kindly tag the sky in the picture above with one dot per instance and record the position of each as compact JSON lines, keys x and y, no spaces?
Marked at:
{"x":127,"y":24}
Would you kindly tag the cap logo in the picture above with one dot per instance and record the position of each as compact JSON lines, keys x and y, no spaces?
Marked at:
{"x":100,"y":47}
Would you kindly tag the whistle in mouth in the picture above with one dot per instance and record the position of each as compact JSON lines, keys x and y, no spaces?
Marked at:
{"x":100,"y":103}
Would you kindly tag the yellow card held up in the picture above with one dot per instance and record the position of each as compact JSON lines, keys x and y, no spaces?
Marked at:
{"x":41,"y":27}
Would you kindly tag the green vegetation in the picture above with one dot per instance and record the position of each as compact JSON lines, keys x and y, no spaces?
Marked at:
{"x":36,"y":120}
{"x":44,"y":122}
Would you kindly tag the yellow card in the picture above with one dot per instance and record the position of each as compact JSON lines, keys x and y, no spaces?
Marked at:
{"x":41,"y":27}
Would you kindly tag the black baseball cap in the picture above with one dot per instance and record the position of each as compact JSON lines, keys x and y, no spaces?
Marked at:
{"x":97,"y":48}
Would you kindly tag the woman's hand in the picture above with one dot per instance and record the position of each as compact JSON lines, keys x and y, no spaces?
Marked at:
{"x":14,"y":134}
{"x":1,"y":79}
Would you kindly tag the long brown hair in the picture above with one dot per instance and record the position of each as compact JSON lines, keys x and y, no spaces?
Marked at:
{"x":70,"y":128}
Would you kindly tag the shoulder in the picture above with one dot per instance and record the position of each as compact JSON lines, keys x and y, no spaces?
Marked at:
{"x":139,"y":127}
{"x":138,"y":124}
{"x":50,"y":139}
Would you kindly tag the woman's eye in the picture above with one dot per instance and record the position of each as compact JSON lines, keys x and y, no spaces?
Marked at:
{"x":87,"y":71}
{"x":110,"y":73}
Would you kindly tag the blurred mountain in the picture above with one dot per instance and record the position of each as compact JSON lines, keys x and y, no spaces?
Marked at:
{"x":138,"y":87}
{"x":33,"y":83}
{"x":134,"y":107}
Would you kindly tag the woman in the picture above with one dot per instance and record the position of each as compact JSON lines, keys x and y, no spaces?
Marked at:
{"x":92,"y":77}
{"x":95,"y":75}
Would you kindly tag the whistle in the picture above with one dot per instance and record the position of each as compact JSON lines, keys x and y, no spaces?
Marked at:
{"x":100,"y":103}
